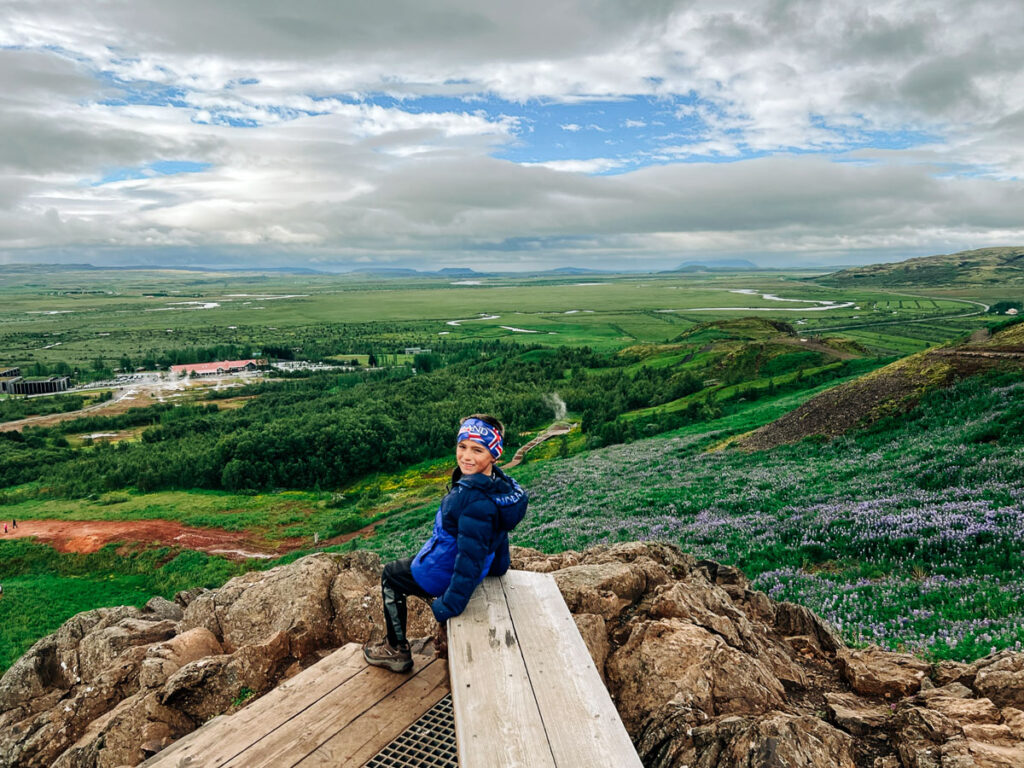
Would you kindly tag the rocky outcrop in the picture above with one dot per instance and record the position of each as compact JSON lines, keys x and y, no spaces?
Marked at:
{"x":705,"y":671}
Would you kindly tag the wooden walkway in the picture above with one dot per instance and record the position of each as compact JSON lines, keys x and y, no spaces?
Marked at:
{"x":525,"y":691}
{"x":339,"y":713}
{"x":525,"y":694}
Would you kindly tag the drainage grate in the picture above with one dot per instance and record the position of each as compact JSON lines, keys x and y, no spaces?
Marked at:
{"x":427,"y":743}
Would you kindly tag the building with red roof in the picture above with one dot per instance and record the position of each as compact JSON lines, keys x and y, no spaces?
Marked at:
{"x":213,"y":369}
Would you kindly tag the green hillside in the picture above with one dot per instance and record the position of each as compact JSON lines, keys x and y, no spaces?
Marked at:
{"x":985,"y":266}
{"x":892,"y":389}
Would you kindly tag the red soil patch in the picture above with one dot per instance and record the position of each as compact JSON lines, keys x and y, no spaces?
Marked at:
{"x":84,"y":536}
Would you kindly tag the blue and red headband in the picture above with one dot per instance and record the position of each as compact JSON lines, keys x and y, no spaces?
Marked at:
{"x":481,"y":432}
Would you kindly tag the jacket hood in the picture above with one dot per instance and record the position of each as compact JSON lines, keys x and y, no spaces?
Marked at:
{"x":504,"y":491}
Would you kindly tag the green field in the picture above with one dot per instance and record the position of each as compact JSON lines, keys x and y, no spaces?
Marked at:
{"x":690,"y":360}
{"x":77,"y":317}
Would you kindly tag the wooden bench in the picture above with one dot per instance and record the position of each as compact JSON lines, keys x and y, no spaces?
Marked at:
{"x":339,"y":713}
{"x":525,"y":690}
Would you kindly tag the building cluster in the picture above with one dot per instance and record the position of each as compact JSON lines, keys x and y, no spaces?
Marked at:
{"x":13,"y":383}
{"x":215,"y":369}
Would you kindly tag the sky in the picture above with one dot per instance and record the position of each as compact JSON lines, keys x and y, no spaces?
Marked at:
{"x":609,"y":134}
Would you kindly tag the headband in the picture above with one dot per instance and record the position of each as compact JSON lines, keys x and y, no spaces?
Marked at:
{"x":481,"y":432}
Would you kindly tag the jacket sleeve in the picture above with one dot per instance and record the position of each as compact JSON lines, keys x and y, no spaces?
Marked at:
{"x":476,"y":530}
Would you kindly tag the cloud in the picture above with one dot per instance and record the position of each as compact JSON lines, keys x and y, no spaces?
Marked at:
{"x":344,"y":131}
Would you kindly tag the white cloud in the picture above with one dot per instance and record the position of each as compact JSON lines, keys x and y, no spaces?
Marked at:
{"x":323,"y":169}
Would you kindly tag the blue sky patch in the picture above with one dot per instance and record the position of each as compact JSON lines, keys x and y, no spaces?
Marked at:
{"x":159,"y":168}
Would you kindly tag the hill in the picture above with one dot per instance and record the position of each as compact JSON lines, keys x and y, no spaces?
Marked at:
{"x":892,"y":389}
{"x":985,"y":266}
{"x":722,"y":264}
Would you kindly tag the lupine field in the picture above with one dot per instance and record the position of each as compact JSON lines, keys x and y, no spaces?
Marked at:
{"x":909,"y":534}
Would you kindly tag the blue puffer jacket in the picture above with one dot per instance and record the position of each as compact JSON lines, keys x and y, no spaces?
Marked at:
{"x":470,"y":539}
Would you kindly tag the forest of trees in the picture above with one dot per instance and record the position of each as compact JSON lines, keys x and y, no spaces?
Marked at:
{"x":327,"y":429}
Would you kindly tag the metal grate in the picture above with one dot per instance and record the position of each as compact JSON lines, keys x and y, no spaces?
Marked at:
{"x":427,"y":743}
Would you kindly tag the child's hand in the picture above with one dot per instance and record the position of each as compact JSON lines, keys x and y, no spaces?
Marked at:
{"x":441,"y":641}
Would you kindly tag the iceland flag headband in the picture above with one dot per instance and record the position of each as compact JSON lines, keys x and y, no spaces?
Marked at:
{"x":483,"y":433}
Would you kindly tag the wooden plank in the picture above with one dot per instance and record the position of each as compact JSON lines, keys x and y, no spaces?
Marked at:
{"x":581,"y":721}
{"x":318,"y":723}
{"x":369,"y":733}
{"x":221,"y":739}
{"x":497,"y":723}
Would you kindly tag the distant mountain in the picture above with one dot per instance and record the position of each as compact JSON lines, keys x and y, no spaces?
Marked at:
{"x":574,"y":271}
{"x":723,"y":264}
{"x":386,"y":272}
{"x":982,"y":266}
{"x":19,"y":268}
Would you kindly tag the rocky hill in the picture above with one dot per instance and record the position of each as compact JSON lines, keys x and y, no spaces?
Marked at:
{"x":706,"y":672}
{"x":892,"y":389}
{"x":978,"y":267}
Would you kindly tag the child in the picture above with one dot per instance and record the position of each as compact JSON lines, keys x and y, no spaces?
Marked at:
{"x":469,"y":542}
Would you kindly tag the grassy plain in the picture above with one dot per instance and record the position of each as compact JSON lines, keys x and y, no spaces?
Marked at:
{"x":77,"y":317}
{"x":666,"y":487}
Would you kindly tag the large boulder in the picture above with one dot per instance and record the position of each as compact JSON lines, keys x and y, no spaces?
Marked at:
{"x":670,"y":660}
{"x":1001,"y":679}
{"x":164,"y":659}
{"x":251,"y":608}
{"x":874,"y":672}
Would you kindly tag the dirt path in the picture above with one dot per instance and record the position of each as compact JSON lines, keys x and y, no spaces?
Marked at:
{"x":84,"y":536}
{"x":554,"y":430}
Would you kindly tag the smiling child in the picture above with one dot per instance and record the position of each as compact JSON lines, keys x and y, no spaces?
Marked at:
{"x":469,"y":541}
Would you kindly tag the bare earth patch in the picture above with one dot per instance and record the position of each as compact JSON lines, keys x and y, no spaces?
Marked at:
{"x":85,"y":536}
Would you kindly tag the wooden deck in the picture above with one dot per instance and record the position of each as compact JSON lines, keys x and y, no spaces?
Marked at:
{"x":339,"y":713}
{"x":525,"y":691}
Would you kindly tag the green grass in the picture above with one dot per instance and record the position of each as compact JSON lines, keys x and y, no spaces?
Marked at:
{"x":43,"y":588}
{"x":118,"y":318}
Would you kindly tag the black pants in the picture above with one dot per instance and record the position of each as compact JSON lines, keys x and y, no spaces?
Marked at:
{"x":396,"y":584}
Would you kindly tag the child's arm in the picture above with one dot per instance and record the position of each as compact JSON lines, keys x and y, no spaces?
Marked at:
{"x":476,"y":530}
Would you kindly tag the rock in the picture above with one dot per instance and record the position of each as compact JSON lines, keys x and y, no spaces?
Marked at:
{"x":952,"y":672}
{"x":605,"y":589}
{"x":874,"y":672}
{"x":163,"y":608}
{"x":792,"y":619}
{"x":207,"y":687}
{"x":355,"y":598}
{"x":965,"y":711}
{"x":855,"y":715}
{"x":186,"y":596}
{"x":594,"y":632}
{"x":1001,"y":679}
{"x":775,"y":740}
{"x":670,"y":660}
{"x":99,"y":648}
{"x":1014,"y":720}
{"x":710,"y":607}
{"x":74,"y":630}
{"x":31,"y":676}
{"x":251,"y":608}
{"x":957,"y":731}
{"x":164,"y":659}
{"x":525,"y":559}
{"x":705,"y":672}
{"x":954,"y":690}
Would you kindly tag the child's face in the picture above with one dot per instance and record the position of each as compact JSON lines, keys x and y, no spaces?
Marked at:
{"x":473,"y":458}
